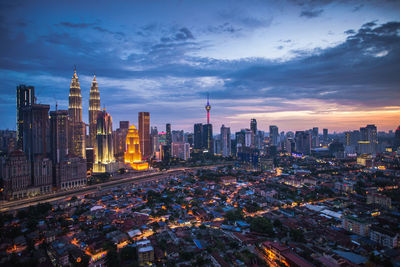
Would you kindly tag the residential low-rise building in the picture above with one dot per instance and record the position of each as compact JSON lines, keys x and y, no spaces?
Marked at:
{"x":357,"y":225}
{"x":384,"y":237}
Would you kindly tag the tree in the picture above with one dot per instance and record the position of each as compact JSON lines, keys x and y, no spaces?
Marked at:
{"x":262,"y":225}
{"x":297,"y":235}
{"x":277,"y":223}
{"x":128,"y":253}
{"x":112,"y":259}
{"x":234,"y":215}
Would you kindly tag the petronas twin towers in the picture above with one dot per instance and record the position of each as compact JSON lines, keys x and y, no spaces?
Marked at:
{"x":94,"y":108}
{"x":77,"y":128}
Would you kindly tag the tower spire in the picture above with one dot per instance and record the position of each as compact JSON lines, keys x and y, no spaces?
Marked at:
{"x":208,"y":108}
{"x":94,"y":108}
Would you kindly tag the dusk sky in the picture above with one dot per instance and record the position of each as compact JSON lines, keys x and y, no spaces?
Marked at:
{"x":295,"y":64}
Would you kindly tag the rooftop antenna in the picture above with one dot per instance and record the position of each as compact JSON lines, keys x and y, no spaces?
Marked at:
{"x":208,"y":108}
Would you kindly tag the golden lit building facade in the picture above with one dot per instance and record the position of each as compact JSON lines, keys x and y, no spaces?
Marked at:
{"x":94,"y":109}
{"x":77,"y":130}
{"x":104,"y":160}
{"x":132,"y":155}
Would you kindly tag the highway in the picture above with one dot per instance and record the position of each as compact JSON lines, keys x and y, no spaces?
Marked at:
{"x":23,"y":203}
{"x":60,"y":195}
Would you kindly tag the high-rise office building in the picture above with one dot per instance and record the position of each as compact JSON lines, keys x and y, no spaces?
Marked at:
{"x":397,"y":138}
{"x":94,"y":109}
{"x":178,"y":136}
{"x":120,"y":139}
{"x":124,"y":125}
{"x":144,"y":134}
{"x":154,"y":141}
{"x":347,"y":138}
{"x":104,"y":156}
{"x":36,"y":144}
{"x":368,"y":140}
{"x":8,"y":140}
{"x":36,"y":131}
{"x":208,"y":138}
{"x":274,"y":135}
{"x":15,"y":171}
{"x":303,"y":142}
{"x":225,"y":141}
{"x":315,"y":137}
{"x":240,"y":140}
{"x":198,"y":136}
{"x":180,"y":150}
{"x":253,"y":126}
{"x":59,"y":135}
{"x":189,"y":138}
{"x":68,"y":172}
{"x":169,"y":137}
{"x":25,"y":98}
{"x":325,"y":135}
{"x":77,"y":126}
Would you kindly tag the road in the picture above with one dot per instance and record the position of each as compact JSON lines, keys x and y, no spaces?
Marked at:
{"x":23,"y":203}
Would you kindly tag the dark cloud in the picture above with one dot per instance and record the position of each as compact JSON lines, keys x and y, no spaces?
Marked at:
{"x":183,"y":34}
{"x":224,"y":28}
{"x":352,"y":72}
{"x":76,"y":25}
{"x":241,"y":18}
{"x":350,"y":32}
{"x":311,"y":13}
{"x":94,"y":26}
{"x":358,"y":7}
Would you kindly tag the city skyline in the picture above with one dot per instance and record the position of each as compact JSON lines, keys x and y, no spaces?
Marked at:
{"x":339,"y":74}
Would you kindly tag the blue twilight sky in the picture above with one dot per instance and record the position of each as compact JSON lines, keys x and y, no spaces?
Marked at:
{"x":295,"y":64}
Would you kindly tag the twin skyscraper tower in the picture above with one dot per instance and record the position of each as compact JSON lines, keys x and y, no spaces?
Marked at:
{"x":77,"y":126}
{"x":100,"y":137}
{"x":100,"y":127}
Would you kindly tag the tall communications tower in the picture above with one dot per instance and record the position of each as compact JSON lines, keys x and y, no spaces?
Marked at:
{"x":208,"y":108}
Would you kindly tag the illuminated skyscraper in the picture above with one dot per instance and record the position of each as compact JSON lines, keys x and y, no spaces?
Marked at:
{"x":94,"y":109}
{"x":25,"y":98}
{"x":133,"y":156}
{"x":368,"y":143}
{"x":77,"y":126}
{"x":144,"y":133}
{"x":104,"y":156}
{"x":208,"y":138}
